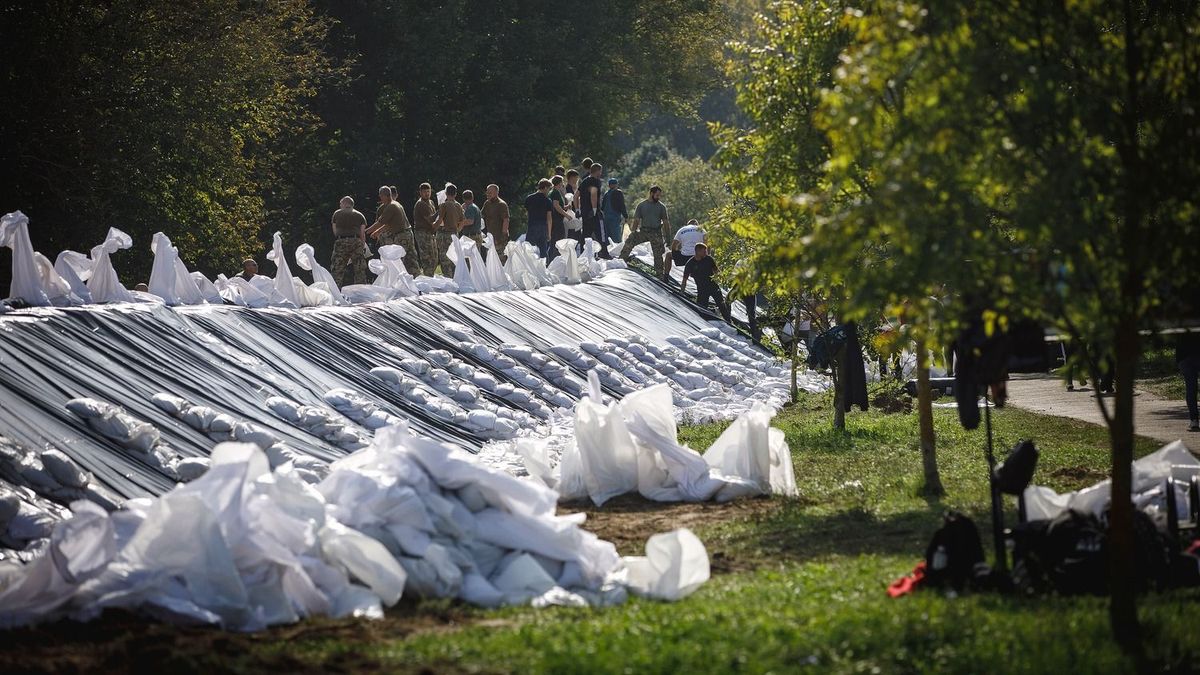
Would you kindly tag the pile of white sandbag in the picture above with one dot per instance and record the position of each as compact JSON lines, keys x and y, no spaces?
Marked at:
{"x":245,"y":547}
{"x":633,"y":446}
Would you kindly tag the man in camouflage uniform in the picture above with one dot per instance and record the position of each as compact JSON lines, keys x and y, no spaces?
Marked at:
{"x":425,"y":231}
{"x":495,"y":218}
{"x":450,"y":218}
{"x":391,"y":227}
{"x":650,"y":223}
{"x":350,"y":243}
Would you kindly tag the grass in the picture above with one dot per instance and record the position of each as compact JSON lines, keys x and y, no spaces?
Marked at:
{"x":800,"y":583}
{"x":1159,"y":374}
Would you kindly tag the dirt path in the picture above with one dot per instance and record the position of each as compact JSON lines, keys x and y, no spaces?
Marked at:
{"x":1154,"y":417}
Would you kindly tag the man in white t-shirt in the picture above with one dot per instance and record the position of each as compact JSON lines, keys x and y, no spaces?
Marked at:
{"x":683,"y":246}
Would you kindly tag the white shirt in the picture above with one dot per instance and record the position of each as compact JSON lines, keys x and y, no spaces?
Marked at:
{"x":688,"y":236}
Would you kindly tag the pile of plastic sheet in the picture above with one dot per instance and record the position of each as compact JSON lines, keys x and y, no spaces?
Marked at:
{"x":1152,"y":476}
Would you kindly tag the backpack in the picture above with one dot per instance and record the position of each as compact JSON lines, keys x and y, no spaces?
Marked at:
{"x":954,"y":557}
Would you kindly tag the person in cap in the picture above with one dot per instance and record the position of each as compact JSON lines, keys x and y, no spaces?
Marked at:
{"x":650,"y":223}
{"x":392,"y":227}
{"x":612,"y":207}
{"x":425,"y":230}
{"x":703,"y":268}
{"x":450,"y":218}
{"x":350,"y":241}
{"x":495,"y":218}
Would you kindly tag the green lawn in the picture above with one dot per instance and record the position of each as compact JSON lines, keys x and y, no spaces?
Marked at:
{"x":799,"y":584}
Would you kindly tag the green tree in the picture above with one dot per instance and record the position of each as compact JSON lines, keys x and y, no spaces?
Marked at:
{"x":153,"y":116}
{"x":1047,"y":151}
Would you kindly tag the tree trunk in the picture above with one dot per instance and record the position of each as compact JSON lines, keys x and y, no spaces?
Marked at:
{"x":795,"y":354}
{"x":1121,"y":542}
{"x":839,"y":397}
{"x":933,"y":481}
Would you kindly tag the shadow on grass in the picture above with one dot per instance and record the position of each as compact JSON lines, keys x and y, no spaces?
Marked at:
{"x":797,"y":533}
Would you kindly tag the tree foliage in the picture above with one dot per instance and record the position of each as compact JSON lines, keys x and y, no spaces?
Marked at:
{"x":153,"y":116}
{"x":995,"y":159}
{"x":220,"y":121}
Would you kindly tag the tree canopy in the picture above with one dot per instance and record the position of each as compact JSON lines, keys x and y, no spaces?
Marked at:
{"x":219,"y":121}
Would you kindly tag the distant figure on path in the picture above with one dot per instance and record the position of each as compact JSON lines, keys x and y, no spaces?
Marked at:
{"x":350,"y":241}
{"x":391,"y":227}
{"x":541,"y":217}
{"x":612,"y":206}
{"x":703,"y":268}
{"x":450,"y":217}
{"x":1187,"y":356}
{"x":495,"y":218}
{"x":425,"y":231}
{"x":650,"y":223}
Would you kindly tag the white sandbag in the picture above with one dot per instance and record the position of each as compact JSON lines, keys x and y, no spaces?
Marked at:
{"x":608,"y":457}
{"x":208,"y":290}
{"x":104,"y":284}
{"x":675,"y":565}
{"x":26,"y":282}
{"x":75,"y":268}
{"x":284,"y":283}
{"x":493,"y":268}
{"x":306,"y":258}
{"x":162,"y":271}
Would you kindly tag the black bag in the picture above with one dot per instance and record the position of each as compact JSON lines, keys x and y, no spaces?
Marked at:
{"x":954,"y":557}
{"x":1016,"y":471}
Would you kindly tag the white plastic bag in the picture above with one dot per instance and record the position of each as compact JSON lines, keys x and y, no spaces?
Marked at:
{"x":75,"y":268}
{"x":675,"y":565}
{"x":104,"y":284}
{"x":26,"y":282}
{"x":283,"y":274}
{"x":306,"y":258}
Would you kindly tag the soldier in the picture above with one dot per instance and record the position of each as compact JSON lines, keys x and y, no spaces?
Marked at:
{"x":450,"y":217}
{"x":471,"y":225}
{"x":350,"y":241}
{"x":651,"y":213}
{"x":392,"y":227}
{"x":425,"y":230}
{"x":495,"y":218}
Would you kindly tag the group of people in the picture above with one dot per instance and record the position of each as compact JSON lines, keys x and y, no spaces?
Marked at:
{"x":426,"y":239}
{"x":576,"y":204}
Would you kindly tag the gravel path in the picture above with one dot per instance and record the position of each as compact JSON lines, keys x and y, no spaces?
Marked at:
{"x":1158,"y":418}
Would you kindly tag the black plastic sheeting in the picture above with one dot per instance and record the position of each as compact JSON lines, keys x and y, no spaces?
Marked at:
{"x":233,"y":358}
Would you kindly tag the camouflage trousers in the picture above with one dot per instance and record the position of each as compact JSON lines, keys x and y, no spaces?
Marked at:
{"x":501,"y":240}
{"x":656,"y":245}
{"x":426,"y":258}
{"x":348,"y":252}
{"x":443,"y":244}
{"x":404,"y":239}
